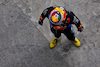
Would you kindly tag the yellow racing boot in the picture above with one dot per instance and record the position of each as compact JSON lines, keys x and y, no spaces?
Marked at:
{"x":76,"y":42}
{"x":53,"y":42}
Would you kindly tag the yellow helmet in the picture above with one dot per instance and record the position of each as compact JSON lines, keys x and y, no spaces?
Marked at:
{"x":58,"y":15}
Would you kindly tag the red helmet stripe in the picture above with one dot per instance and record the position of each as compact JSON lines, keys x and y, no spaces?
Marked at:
{"x":53,"y":14}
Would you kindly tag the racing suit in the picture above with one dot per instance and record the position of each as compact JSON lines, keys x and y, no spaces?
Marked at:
{"x":65,"y":27}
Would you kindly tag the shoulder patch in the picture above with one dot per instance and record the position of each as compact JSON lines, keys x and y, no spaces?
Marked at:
{"x":45,"y":11}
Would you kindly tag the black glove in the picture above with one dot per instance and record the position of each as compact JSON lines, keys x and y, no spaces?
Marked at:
{"x":40,"y":22}
{"x":81,"y":29}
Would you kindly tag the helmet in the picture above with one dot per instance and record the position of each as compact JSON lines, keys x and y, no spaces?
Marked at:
{"x":57,"y":15}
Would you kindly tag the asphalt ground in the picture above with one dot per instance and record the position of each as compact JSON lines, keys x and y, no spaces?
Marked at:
{"x":24,"y":43}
